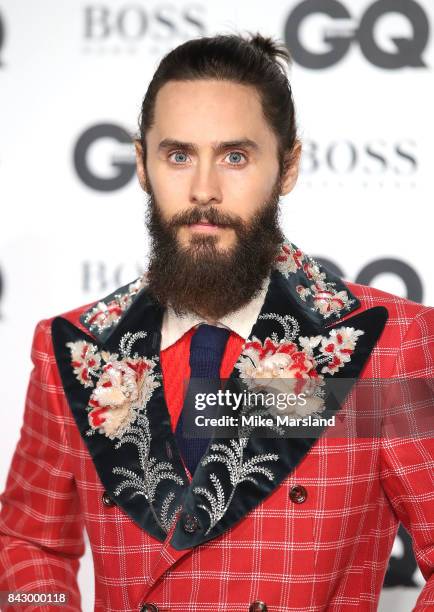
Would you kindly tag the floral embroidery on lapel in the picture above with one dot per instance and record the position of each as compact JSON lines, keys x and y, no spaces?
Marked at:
{"x":262,"y":365}
{"x":123,"y":386}
{"x":86,"y":361}
{"x":152,"y":473}
{"x":121,"y":392}
{"x":232,"y":456}
{"x":271,"y":363}
{"x":107,"y":313}
{"x":319,"y":292}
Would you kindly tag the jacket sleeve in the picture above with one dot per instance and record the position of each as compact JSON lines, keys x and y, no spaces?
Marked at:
{"x":41,"y":530}
{"x":407,"y":470}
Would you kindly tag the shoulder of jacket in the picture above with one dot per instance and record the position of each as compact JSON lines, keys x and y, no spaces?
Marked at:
{"x":395,"y":304}
{"x":98,"y":314}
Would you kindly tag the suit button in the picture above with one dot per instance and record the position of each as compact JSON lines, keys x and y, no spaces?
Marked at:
{"x":107,"y":500}
{"x":190,"y":523}
{"x":258,"y":606}
{"x":149,"y":607}
{"x":298,"y":494}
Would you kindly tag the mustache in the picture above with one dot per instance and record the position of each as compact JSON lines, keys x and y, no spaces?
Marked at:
{"x":209,"y":215}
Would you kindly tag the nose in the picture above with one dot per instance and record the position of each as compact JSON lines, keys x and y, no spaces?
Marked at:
{"x":205,"y":186}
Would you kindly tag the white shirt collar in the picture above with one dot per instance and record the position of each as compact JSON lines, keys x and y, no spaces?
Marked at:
{"x":240,"y":321}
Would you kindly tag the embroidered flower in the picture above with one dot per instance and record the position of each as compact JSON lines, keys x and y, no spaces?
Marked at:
{"x":123,"y":385}
{"x":275,"y":360}
{"x":328,"y":302}
{"x":85,"y":361}
{"x":289,"y":259}
{"x":123,"y":388}
{"x":319,"y":292}
{"x":312,"y":271}
{"x":338,"y":347}
{"x":106,"y":313}
{"x":303,"y":292}
{"x":285,"y":371}
{"x":289,"y":366}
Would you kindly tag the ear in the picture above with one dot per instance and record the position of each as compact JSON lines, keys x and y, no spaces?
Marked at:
{"x":292,"y":165}
{"x":140,"y":165}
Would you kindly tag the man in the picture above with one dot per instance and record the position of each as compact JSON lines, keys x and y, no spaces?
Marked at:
{"x":242,"y":523}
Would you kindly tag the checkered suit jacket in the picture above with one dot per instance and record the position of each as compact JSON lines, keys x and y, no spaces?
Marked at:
{"x":278,"y":524}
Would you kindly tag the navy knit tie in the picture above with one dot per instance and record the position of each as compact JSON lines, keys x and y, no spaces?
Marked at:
{"x":206,"y":352}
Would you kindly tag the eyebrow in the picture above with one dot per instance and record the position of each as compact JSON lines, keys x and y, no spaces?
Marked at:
{"x":242,"y":143}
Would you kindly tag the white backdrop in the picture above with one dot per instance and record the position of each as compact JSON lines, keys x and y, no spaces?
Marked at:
{"x":72,"y":213}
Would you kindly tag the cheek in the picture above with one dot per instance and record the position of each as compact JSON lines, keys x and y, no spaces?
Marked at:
{"x":171,"y":193}
{"x":247,"y":197}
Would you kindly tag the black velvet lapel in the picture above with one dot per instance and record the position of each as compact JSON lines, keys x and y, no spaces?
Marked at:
{"x":212,"y":486}
{"x":144,"y":474}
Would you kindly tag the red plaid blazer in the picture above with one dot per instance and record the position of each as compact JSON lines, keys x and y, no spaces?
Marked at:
{"x":311,"y":530}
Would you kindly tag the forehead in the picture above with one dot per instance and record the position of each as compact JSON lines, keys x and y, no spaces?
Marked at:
{"x":203,"y":111}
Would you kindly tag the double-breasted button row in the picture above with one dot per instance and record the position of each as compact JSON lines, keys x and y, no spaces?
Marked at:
{"x":107,"y":500}
{"x":149,"y":607}
{"x":298,"y":494}
{"x":258,"y":606}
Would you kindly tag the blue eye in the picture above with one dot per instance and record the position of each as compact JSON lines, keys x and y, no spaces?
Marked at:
{"x":180,"y":157}
{"x":238,"y":157}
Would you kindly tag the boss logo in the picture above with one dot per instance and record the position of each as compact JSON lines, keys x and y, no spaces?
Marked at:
{"x":376,"y":158}
{"x":131,"y":23}
{"x":343,"y":30}
{"x":98,"y":276}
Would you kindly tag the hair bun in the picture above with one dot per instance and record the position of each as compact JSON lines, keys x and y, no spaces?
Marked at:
{"x":274,"y":49}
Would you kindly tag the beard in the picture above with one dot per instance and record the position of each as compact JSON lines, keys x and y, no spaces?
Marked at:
{"x":201,"y":278}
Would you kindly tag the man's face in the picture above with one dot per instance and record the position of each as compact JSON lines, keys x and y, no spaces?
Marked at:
{"x":210,"y":149}
{"x":213,"y":179}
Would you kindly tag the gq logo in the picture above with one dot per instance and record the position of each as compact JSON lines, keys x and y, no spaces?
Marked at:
{"x":339,"y":38}
{"x":121,"y":168}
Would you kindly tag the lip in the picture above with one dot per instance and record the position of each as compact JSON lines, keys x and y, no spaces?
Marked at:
{"x":204,"y":227}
